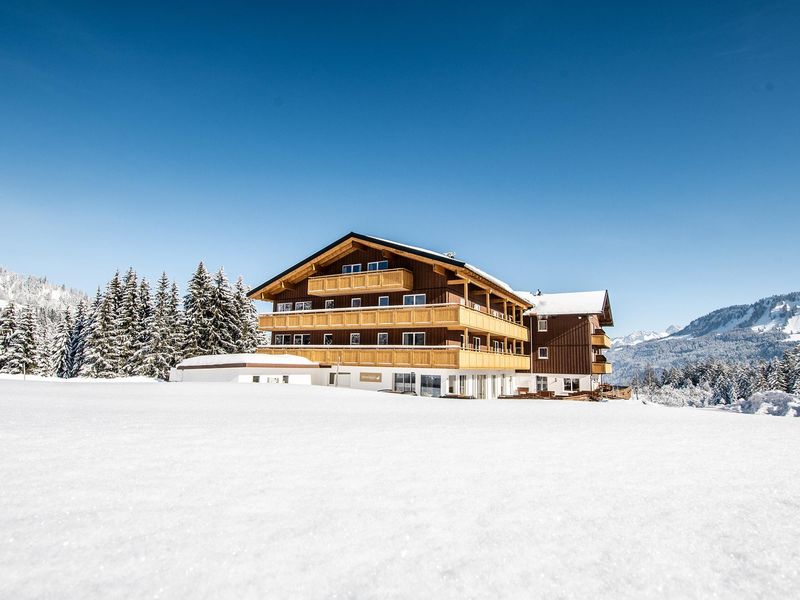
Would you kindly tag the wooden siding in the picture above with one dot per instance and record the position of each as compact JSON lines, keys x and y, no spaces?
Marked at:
{"x":446,"y":315}
{"x":568,"y":339}
{"x":433,"y":358}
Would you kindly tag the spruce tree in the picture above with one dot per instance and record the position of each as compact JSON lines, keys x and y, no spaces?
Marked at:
{"x":60,"y":354}
{"x":198,"y":309}
{"x":225,"y":325}
{"x":8,"y":324}
{"x":100,"y":351}
{"x":77,"y":340}
{"x":176,"y":326}
{"x":21,"y":356}
{"x":247,"y":318}
{"x":152,"y":357}
{"x":126,"y":324}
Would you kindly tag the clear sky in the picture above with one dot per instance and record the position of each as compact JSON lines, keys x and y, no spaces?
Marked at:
{"x":649,"y":148}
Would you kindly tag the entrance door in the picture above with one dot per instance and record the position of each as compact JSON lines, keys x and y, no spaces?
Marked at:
{"x":342,"y":380}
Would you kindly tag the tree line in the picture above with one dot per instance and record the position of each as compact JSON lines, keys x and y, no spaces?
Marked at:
{"x":727,"y":382}
{"x":128,"y":330}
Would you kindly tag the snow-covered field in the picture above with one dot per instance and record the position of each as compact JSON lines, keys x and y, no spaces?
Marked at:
{"x":246,"y":491}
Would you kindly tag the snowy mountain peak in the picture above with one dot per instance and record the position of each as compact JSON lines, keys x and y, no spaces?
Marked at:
{"x":36,"y":292}
{"x":637,"y":337}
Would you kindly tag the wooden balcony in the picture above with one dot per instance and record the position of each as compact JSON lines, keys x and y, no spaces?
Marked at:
{"x":601,"y":340}
{"x":387,"y":280}
{"x":600,"y":366}
{"x":450,"y":316}
{"x":430,"y":357}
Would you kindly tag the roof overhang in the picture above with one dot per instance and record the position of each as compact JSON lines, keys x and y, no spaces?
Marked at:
{"x":354,"y":241}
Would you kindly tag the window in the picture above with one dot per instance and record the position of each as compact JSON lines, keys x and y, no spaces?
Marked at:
{"x":284,"y":306}
{"x":383,"y":300}
{"x":378,"y":265}
{"x":430,"y":385}
{"x":355,"y":339}
{"x":356,"y":268}
{"x":410,"y":299}
{"x":383,"y":339}
{"x":329,"y":304}
{"x":304,"y":305}
{"x":413,"y":338}
{"x":497,"y":345}
{"x":355,"y":302}
{"x":302,"y":339}
{"x":542,"y":324}
{"x":572,"y":384}
{"x":543,"y":353}
{"x":282,"y":339}
{"x":541,"y":383}
{"x":404,"y":382}
{"x":327,"y":339}
{"x":452,"y":385}
{"x":476,"y":343}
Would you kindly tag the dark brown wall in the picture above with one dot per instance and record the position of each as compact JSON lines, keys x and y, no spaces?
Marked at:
{"x":369,"y":337}
{"x":568,"y":338}
{"x":426,"y":281}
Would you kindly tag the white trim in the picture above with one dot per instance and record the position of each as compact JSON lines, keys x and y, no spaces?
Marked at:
{"x":413,"y":333}
{"x":378,"y":337}
{"x":541,"y":321}
{"x":352,"y":333}
{"x":424,"y":296}
{"x":351,"y":268}
{"x":360,"y":304}
{"x":324,"y":335}
{"x":546,"y":353}
{"x":378,"y":262}
{"x":332,"y":302}
{"x":381,"y":298}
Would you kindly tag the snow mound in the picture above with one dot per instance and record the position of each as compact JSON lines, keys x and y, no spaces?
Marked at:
{"x":770,"y":403}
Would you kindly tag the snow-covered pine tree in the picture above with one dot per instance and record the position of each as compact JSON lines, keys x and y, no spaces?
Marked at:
{"x":100,"y":358}
{"x":60,"y":355}
{"x":198,"y":309}
{"x":776,"y":379}
{"x":176,"y":326}
{"x":142,"y":326}
{"x":21,"y":356}
{"x":152,"y":357}
{"x":791,"y":370}
{"x":77,"y":340}
{"x":8,"y":324}
{"x":126,"y":324}
{"x":247,"y":317}
{"x":225,"y":325}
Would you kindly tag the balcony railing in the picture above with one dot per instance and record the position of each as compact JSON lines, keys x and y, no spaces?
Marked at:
{"x":386,"y":280}
{"x":432,"y":357}
{"x":601,"y":366}
{"x":451,"y":316}
{"x":600,"y":339}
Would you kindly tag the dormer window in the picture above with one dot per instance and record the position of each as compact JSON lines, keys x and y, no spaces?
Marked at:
{"x":354,"y":268}
{"x":378,"y":265}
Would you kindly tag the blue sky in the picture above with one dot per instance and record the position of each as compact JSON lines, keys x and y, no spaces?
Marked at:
{"x":650,"y":150}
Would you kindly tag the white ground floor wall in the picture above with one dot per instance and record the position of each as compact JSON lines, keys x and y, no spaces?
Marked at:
{"x":423,"y":382}
{"x":292,"y":376}
{"x":560,"y":384}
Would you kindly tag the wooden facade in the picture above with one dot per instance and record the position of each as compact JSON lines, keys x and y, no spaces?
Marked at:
{"x":322,"y":301}
{"x":380,"y":290}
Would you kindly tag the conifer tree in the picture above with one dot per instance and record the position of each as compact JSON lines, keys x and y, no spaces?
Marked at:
{"x":8,"y":324}
{"x":152,"y":357}
{"x":100,"y":351}
{"x":247,"y":317}
{"x":126,"y":324}
{"x":21,"y":356}
{"x":225,"y":326}
{"x":60,"y":348}
{"x":77,"y":340}
{"x":198,"y":309}
{"x":175,"y":320}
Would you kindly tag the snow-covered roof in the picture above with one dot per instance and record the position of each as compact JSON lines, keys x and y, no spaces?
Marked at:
{"x":251,"y":359}
{"x":569,"y":303}
{"x":441,"y":255}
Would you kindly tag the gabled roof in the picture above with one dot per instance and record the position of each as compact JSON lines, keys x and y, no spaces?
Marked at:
{"x":571,"y":303}
{"x":445,"y":259}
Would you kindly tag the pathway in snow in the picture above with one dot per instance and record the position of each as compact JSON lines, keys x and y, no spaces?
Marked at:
{"x":247,"y":491}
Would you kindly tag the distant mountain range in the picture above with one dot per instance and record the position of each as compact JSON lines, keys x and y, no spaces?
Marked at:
{"x":37,"y":292}
{"x":746,"y":332}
